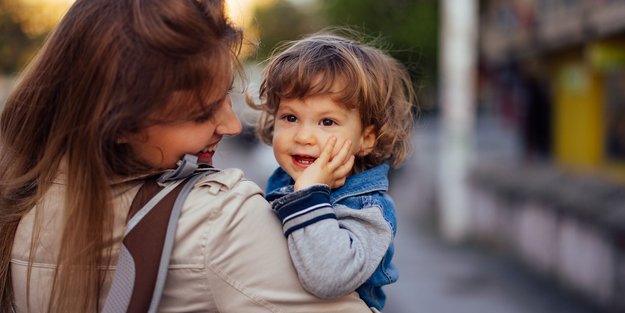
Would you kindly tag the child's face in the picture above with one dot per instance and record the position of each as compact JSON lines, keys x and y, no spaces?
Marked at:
{"x":303,"y":126}
{"x":162,"y":145}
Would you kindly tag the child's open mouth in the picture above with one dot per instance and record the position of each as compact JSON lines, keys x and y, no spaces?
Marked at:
{"x":303,"y":160}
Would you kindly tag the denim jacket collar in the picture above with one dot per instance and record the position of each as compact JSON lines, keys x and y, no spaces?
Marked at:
{"x":374,"y":179}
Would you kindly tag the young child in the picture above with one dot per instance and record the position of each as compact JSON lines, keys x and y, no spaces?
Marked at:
{"x":338,"y":114}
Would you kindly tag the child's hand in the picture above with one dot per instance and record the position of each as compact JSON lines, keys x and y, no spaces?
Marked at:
{"x":324,"y":170}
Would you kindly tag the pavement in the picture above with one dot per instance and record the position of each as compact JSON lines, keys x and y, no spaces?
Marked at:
{"x":440,"y":277}
{"x":435,"y":276}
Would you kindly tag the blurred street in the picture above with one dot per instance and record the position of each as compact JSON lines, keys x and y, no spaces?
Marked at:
{"x":435,"y":276}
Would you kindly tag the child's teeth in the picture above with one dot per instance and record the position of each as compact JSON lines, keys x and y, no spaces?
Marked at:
{"x":306,"y":161}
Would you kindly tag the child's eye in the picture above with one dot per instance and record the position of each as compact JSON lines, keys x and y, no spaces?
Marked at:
{"x":327,"y":122}
{"x":289,"y":118}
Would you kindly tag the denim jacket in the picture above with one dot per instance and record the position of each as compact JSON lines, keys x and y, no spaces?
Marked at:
{"x":359,"y":216}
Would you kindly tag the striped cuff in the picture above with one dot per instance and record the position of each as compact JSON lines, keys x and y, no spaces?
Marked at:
{"x":303,"y":208}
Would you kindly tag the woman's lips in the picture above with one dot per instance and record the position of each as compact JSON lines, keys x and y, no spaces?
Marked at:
{"x":206,"y":157}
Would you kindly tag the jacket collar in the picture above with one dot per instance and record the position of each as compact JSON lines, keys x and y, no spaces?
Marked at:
{"x":374,"y":179}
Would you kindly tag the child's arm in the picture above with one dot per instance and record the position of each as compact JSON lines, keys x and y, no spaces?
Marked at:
{"x":334,"y":250}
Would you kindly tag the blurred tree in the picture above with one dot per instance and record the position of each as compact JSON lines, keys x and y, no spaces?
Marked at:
{"x":15,"y":45}
{"x":407,"y":28}
{"x":281,"y":20}
{"x":24,"y":24}
{"x":410,"y":27}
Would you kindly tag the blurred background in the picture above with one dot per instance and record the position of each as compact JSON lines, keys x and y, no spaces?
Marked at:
{"x":514,"y":197}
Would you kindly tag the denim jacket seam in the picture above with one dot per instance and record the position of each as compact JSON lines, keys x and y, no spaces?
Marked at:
{"x":383,"y":269}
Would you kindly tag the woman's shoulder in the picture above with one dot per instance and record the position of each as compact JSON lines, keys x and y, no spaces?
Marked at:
{"x":214,"y":199}
{"x":222,"y":188}
{"x":226,"y":179}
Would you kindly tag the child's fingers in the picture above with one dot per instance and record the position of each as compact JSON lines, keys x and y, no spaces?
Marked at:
{"x":327,"y":150}
{"x":339,"y":183}
{"x":342,"y":155}
{"x":344,"y":169}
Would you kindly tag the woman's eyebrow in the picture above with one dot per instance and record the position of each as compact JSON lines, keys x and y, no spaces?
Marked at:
{"x":211,"y":108}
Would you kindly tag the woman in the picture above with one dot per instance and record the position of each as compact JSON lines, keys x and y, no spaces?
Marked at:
{"x":121,"y":90}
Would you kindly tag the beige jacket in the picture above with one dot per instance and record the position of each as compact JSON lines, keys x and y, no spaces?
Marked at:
{"x":229,"y":255}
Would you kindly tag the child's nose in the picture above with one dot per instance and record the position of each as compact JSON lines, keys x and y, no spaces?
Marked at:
{"x":305,"y":135}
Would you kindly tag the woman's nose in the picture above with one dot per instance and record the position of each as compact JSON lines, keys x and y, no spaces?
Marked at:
{"x":229,"y":123}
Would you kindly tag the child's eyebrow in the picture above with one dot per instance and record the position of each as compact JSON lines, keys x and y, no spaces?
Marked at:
{"x":340,"y":111}
{"x":283,"y":106}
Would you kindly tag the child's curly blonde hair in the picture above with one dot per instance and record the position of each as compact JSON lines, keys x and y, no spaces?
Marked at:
{"x":372,"y":82}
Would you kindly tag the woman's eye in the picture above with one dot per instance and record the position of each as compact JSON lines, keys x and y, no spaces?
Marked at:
{"x":202,"y":118}
{"x":327,"y":122}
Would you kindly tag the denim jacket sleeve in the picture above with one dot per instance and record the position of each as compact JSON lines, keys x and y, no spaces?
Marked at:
{"x":334,"y":249}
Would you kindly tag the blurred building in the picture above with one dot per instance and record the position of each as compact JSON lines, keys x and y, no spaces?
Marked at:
{"x":554,"y":72}
{"x":556,"y":68}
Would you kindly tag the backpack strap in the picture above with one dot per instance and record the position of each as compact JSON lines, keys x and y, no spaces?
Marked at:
{"x":148,"y":242}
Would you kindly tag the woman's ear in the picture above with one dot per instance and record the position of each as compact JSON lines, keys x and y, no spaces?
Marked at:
{"x":368,"y":138}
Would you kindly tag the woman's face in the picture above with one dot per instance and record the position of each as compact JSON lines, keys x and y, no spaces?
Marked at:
{"x":162,"y":145}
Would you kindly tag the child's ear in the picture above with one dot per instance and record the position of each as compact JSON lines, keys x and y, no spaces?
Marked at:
{"x":368,"y":140}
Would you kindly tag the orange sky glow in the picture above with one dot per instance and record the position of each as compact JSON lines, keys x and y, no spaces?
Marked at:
{"x":40,"y":16}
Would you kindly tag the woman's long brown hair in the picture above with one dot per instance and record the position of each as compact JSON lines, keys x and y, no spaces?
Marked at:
{"x":108,"y":67}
